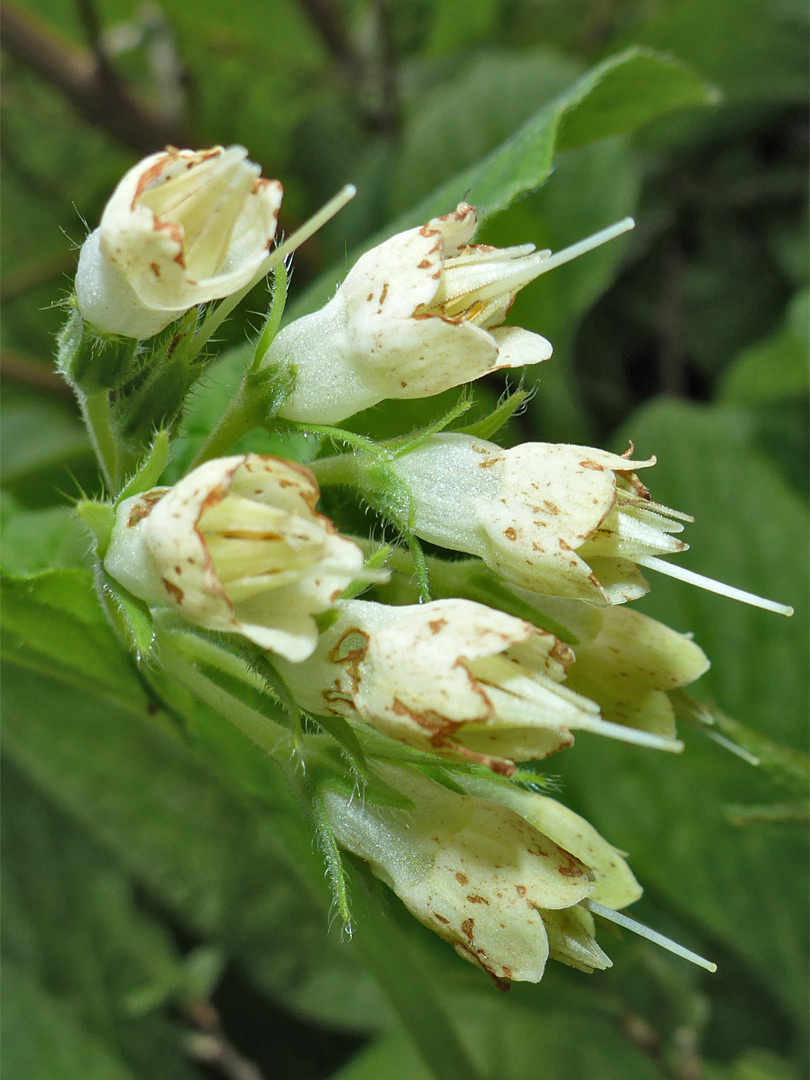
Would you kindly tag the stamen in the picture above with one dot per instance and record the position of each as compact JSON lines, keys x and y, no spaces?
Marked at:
{"x":646,"y":932}
{"x":220,"y":313}
{"x":680,"y":573}
{"x":588,"y":244}
{"x":309,"y":228}
{"x":629,"y":734}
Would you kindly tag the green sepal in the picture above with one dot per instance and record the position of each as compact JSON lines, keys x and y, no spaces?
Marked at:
{"x":485,"y":587}
{"x":91,"y":361}
{"x":440,"y":776}
{"x":488,"y":425}
{"x":405,"y":444}
{"x":275,"y":314}
{"x":149,"y":472}
{"x":335,"y":870}
{"x":153,"y":398}
{"x":786,"y":767}
{"x":99,"y":518}
{"x":130,"y":616}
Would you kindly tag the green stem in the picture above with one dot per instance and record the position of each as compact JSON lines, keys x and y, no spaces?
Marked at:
{"x":340,"y":469}
{"x":242,"y":415}
{"x":389,"y":955}
{"x":96,"y":413}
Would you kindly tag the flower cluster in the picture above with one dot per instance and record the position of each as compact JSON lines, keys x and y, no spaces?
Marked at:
{"x":448,"y":698}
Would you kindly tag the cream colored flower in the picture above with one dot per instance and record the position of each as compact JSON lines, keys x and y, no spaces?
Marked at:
{"x":488,"y":877}
{"x":183,"y":227}
{"x":453,"y":677}
{"x":551,"y":518}
{"x":237,"y":545}
{"x":630,"y":666}
{"x":417,"y":314}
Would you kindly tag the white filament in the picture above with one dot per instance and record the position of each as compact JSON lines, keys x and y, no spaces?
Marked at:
{"x":588,"y":244}
{"x":646,"y":932}
{"x":710,"y":585}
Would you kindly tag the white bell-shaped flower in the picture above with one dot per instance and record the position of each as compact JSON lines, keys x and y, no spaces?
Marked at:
{"x":564,"y":520}
{"x":417,"y":314}
{"x":237,"y":546}
{"x":183,"y":227}
{"x":501,"y":883}
{"x":453,"y":677}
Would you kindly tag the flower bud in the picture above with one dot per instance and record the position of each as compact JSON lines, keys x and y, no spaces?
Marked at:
{"x":417,"y":314}
{"x":453,"y":677}
{"x":474,"y":871}
{"x":630,"y":667}
{"x":563,"y":520}
{"x":237,"y":546}
{"x":183,"y":227}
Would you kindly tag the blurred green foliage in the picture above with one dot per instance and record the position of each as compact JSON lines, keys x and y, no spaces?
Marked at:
{"x":139,"y":860}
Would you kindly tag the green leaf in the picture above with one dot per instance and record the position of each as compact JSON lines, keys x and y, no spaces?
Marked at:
{"x":52,"y":622}
{"x":71,"y":921}
{"x":775,"y":369}
{"x":516,"y":1042}
{"x":44,"y":1038}
{"x":618,"y":95}
{"x":35,"y":540}
{"x":241,"y":873}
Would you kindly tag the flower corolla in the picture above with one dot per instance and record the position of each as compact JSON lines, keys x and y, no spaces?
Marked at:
{"x":493,"y":880}
{"x":563,"y":520}
{"x":183,"y":227}
{"x":453,"y":677}
{"x":416,"y":315}
{"x":236,"y":546}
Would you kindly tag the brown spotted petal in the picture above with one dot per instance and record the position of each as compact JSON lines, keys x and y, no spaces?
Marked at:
{"x":471,"y":869}
{"x":237,"y":546}
{"x":183,"y":227}
{"x":414,"y":316}
{"x":452,"y":676}
{"x":568,"y":521}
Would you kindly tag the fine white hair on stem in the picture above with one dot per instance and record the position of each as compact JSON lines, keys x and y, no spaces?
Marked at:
{"x":625,"y":921}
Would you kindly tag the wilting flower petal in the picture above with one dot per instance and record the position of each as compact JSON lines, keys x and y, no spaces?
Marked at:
{"x":237,"y":545}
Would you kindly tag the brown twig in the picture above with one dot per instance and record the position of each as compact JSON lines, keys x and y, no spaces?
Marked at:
{"x":210,"y":1045}
{"x":90,"y":84}
{"x":327,"y":21}
{"x":18,"y":367}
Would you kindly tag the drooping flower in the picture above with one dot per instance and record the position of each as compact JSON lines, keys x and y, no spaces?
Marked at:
{"x":238,"y":546}
{"x":183,"y":227}
{"x":551,"y":518}
{"x":492,"y":879}
{"x":417,"y":314}
{"x":454,"y":677}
